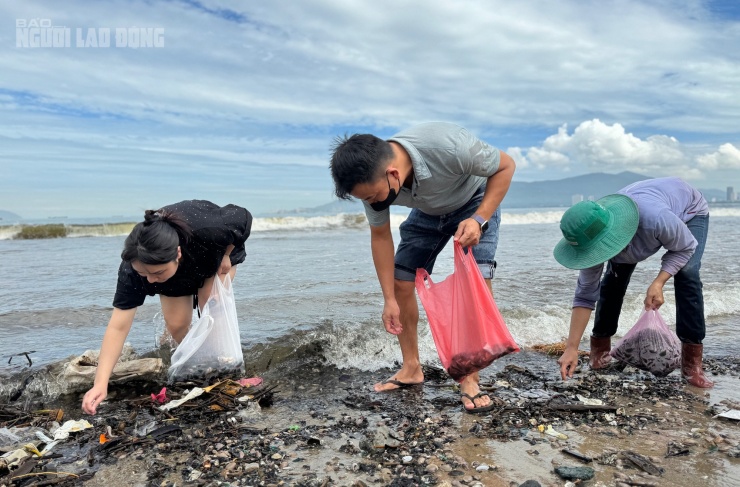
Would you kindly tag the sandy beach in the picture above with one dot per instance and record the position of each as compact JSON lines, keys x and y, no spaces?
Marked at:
{"x":325,"y":426}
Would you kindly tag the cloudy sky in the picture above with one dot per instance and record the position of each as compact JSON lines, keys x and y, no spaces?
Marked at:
{"x":238,"y":101}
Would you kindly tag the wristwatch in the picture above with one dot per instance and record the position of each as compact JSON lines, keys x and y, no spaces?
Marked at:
{"x":482,"y":222}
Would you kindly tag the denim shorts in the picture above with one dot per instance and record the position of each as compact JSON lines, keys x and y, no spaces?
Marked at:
{"x":424,"y":236}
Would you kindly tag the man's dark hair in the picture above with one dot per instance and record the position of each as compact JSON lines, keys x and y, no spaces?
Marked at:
{"x":358,"y":159}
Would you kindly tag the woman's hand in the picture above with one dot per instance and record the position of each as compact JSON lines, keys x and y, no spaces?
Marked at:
{"x":568,"y":363}
{"x":225,"y":266}
{"x":93,"y":398}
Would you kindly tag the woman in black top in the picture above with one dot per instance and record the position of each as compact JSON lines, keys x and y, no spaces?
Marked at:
{"x":176,"y":253}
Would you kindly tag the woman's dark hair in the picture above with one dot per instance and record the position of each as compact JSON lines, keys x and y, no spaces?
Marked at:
{"x":154,"y":241}
{"x":358,"y":159}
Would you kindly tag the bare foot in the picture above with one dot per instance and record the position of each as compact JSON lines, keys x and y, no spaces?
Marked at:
{"x":470,"y":387}
{"x":402,"y":379}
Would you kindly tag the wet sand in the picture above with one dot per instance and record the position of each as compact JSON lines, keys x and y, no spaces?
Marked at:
{"x":323,"y":428}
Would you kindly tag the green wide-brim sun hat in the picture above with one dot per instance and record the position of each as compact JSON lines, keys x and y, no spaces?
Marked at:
{"x":616,"y":234}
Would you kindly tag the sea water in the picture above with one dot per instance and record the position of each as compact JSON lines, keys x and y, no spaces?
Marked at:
{"x":311,"y":280}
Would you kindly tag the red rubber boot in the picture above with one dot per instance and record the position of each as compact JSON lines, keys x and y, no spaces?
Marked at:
{"x":691,"y":370}
{"x":599,"y":356}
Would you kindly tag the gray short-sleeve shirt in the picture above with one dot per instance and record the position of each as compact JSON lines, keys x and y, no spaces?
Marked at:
{"x":450,"y":164}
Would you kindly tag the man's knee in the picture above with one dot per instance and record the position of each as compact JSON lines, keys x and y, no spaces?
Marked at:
{"x":404,"y":289}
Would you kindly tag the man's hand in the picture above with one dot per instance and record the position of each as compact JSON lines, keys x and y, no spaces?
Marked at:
{"x":392,"y":318}
{"x":468,"y":233}
{"x":568,"y":363}
{"x":654,"y":298}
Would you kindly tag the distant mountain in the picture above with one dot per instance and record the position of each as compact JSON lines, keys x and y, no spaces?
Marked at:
{"x":560,"y":192}
{"x":8,"y":217}
{"x":537,"y":194}
{"x":336,"y":206}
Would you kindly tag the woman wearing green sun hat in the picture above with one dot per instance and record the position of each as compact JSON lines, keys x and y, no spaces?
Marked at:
{"x":621,"y":230}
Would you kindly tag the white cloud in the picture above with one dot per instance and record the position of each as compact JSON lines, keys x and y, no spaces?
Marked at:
{"x":726,"y":157}
{"x":597,"y":146}
{"x":273,"y":82}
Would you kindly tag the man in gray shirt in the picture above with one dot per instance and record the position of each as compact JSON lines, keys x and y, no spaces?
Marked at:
{"x":623,"y":229}
{"x":455,"y":183}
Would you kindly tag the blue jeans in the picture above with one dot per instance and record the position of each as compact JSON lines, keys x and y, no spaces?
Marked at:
{"x":690,"y":324}
{"x":424,"y":236}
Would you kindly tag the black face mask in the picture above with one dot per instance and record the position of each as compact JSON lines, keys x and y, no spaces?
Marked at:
{"x":392,"y":195}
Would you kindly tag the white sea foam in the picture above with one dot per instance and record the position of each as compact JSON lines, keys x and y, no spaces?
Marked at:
{"x":724,"y":212}
{"x":358,"y":220}
{"x":325,"y":222}
{"x":368,"y":347}
{"x":531,"y":217}
{"x":341,"y":220}
{"x":9,"y":231}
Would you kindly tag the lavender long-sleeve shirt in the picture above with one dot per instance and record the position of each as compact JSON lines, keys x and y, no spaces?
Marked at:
{"x":665,"y":205}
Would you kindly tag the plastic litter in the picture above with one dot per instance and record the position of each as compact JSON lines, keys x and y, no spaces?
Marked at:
{"x":145,"y":429}
{"x":49,"y":444}
{"x":71,"y":426}
{"x":466,"y":324}
{"x":212,"y":343}
{"x":731,"y":414}
{"x":650,"y":346}
{"x":8,"y":438}
{"x":13,"y":458}
{"x":197,"y":391}
{"x":551,"y":432}
{"x":589,"y":401}
{"x":160,"y":398}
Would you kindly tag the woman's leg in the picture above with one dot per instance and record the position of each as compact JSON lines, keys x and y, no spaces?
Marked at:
{"x":178,"y":314}
{"x":205,"y":292}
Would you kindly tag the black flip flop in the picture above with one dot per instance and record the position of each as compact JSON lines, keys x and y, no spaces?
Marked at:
{"x":400,"y":385}
{"x":482,"y":409}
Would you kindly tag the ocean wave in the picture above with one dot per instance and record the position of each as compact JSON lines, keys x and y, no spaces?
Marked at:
{"x":329,"y":222}
{"x":59,"y":230}
{"x":534,"y":217}
{"x":340,"y":221}
{"x":724,"y":212}
{"x":366,"y":345}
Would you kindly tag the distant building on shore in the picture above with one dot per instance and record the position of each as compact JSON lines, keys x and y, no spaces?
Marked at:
{"x":576,"y":198}
{"x":731,"y":193}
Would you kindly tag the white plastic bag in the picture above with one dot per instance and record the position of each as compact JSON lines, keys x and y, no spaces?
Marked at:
{"x":212,"y":343}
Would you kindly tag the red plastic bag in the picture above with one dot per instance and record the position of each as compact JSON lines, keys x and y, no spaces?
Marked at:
{"x":650,"y":345}
{"x":466,"y":325}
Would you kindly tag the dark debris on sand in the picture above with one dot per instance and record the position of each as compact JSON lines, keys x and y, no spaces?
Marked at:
{"x":618,"y":402}
{"x":324,"y":428}
{"x":220,"y":438}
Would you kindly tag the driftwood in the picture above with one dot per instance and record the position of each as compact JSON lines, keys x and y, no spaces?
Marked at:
{"x":643,"y":463}
{"x":578,"y":455}
{"x":582,"y":407}
{"x":79,"y":373}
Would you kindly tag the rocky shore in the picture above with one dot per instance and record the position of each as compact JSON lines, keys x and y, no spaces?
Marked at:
{"x":312,"y":425}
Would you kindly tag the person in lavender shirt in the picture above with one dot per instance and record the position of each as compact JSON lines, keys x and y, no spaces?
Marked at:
{"x":621,"y":230}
